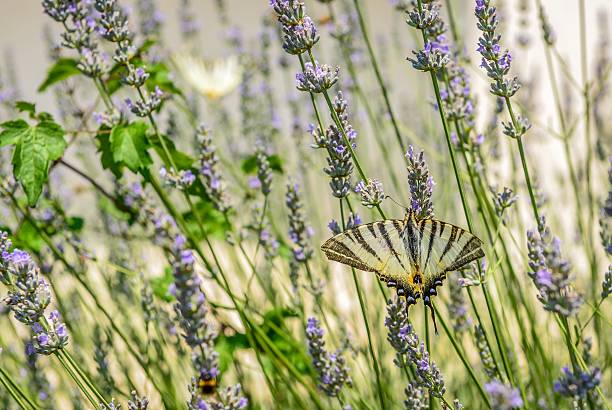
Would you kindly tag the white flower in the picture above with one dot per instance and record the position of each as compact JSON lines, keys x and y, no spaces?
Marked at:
{"x":213,"y":79}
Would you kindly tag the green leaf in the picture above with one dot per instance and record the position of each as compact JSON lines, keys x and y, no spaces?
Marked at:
{"x":27,"y":237}
{"x":129,"y":145}
{"x":24,"y":106}
{"x":181,"y":160}
{"x":213,"y":221}
{"x":161,"y":285}
{"x":227,"y":346}
{"x":35,"y":148}
{"x":75,"y":223}
{"x":61,"y":70}
{"x":249,"y":165}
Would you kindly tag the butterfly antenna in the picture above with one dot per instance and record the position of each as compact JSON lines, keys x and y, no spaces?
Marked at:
{"x":397,"y":203}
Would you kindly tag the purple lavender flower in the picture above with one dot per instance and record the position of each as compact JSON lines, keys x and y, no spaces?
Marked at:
{"x":457,"y":308}
{"x":485,"y":353}
{"x":503,"y":396}
{"x":578,"y":384}
{"x":495,"y":61}
{"x":606,"y":285}
{"x":137,"y":402}
{"x":605,"y":218}
{"x":316,"y":78}
{"x":409,"y":351}
{"x":371,"y":192}
{"x":264,"y":172}
{"x":421,"y":184}
{"x":28,"y":298}
{"x":299,"y":31}
{"x":551,"y":272}
{"x":299,"y":233}
{"x":331,"y":367}
{"x":211,"y":176}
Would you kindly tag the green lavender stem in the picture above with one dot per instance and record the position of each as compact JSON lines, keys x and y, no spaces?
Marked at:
{"x":379,"y":78}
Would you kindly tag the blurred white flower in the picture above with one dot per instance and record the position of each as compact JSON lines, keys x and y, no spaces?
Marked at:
{"x":213,"y":79}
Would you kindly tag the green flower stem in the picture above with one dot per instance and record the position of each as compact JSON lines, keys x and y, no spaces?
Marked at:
{"x":70,"y":361}
{"x":375,"y":124}
{"x":15,"y":391}
{"x":461,"y":355}
{"x":379,"y":78}
{"x":519,"y":142}
{"x":80,"y":385}
{"x":366,"y":322}
{"x":587,"y":110}
{"x":470,"y":226}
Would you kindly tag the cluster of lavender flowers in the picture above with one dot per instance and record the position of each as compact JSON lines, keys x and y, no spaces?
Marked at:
{"x":435,"y":54}
{"x":409,"y":351}
{"x":421,"y":184}
{"x":78,"y":35}
{"x":29,"y":297}
{"x":504,"y":200}
{"x":299,"y":31}
{"x":190,"y":305}
{"x":339,"y":163}
{"x":316,"y":78}
{"x":331,"y":367}
{"x":495,"y":61}
{"x":352,"y":221}
{"x":457,"y":308}
{"x":299,"y":231}
{"x":182,"y":179}
{"x":112,"y":24}
{"x":371,"y":192}
{"x":212,"y":180}
{"x":578,"y":384}
{"x":486,"y":357}
{"x":550,"y":272}
{"x":503,"y":396}
{"x":264,"y":172}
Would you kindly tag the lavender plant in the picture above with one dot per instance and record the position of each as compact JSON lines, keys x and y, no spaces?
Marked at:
{"x":153,"y":256}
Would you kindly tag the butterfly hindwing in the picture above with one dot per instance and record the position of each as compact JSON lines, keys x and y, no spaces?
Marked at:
{"x":445,"y":248}
{"x":374,"y":247}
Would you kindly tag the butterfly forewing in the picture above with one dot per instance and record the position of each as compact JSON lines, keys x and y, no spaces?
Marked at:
{"x":375,"y":247}
{"x":445,"y":248}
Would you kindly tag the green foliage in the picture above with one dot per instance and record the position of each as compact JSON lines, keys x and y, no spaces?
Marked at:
{"x":36,"y":146}
{"x":180,"y":159}
{"x":62,"y":69}
{"x":249,"y":165}
{"x":129,"y":145}
{"x":275,"y":326}
{"x":227,"y":346}
{"x":213,"y":221}
{"x":27,"y":237}
{"x":161,"y":285}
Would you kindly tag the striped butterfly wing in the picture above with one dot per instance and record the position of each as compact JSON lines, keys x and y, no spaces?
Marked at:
{"x":373,"y":247}
{"x":444,"y":248}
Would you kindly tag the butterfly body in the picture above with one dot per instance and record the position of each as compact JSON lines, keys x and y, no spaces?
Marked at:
{"x":411,"y":255}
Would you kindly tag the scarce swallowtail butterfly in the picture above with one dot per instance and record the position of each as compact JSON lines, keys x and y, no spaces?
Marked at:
{"x":411,"y":255}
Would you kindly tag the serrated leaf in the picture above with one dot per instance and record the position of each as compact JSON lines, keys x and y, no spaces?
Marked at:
{"x":129,"y":145}
{"x":35,"y":148}
{"x":61,"y":70}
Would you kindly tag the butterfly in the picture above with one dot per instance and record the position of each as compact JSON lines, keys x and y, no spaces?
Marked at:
{"x":412,"y":255}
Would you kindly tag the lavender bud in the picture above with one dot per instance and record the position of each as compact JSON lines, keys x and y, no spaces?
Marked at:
{"x":606,"y":286}
{"x":577,"y":385}
{"x":485,"y":353}
{"x":299,"y":232}
{"x":299,"y":31}
{"x":371,"y":192}
{"x":316,"y":78}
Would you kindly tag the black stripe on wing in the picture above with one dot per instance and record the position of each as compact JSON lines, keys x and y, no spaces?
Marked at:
{"x":339,"y":252}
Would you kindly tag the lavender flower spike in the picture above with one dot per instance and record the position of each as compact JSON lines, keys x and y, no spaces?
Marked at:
{"x":331,"y":367}
{"x":299,"y":31}
{"x":371,"y":192}
{"x":421,"y":184}
{"x":28,"y":298}
{"x":550,"y":272}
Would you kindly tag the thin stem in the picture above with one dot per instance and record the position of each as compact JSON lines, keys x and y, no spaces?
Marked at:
{"x":379,"y":78}
{"x":15,"y":391}
{"x":366,"y":322}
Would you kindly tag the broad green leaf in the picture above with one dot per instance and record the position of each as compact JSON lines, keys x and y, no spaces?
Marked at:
{"x":129,"y":144}
{"x":61,"y":70}
{"x":181,"y":160}
{"x":35,"y":148}
{"x":27,"y":237}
